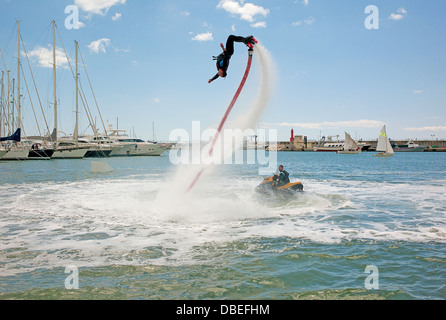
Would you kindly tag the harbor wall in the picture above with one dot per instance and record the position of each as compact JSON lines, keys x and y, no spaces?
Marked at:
{"x":300,"y":144}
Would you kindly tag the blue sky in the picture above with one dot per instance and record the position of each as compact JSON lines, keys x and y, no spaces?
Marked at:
{"x":149,"y":62}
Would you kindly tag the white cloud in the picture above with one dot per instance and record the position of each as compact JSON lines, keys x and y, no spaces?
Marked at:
{"x":418,"y":91}
{"x":399,"y":15}
{"x":44,"y":57}
{"x":259,"y":25}
{"x":157,"y":100}
{"x":246,"y":11}
{"x":117,"y":16}
{"x":305,"y":2}
{"x":207,"y":36}
{"x":97,"y":6}
{"x":435,"y":128}
{"x":335,"y":124}
{"x":99,"y":46}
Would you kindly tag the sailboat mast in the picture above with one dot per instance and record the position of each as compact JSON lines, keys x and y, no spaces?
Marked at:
{"x":1,"y":106}
{"x":76,"y":127}
{"x":54,"y":80}
{"x":8,"y":103}
{"x":11,"y":115}
{"x":19,"y":111}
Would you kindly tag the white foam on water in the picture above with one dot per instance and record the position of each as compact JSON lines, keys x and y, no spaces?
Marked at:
{"x":97,"y":223}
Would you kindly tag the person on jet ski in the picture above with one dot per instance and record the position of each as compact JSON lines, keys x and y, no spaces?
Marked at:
{"x":284,"y":177}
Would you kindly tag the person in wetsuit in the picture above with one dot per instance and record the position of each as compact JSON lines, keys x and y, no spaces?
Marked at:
{"x":224,"y":58}
{"x":284,"y":177}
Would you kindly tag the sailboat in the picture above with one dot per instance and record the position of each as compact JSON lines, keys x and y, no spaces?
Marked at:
{"x":65,"y":148}
{"x":384,"y":147}
{"x":16,"y":150}
{"x":350,"y":146}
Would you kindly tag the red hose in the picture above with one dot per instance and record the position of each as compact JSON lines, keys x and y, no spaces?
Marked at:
{"x":225,"y":117}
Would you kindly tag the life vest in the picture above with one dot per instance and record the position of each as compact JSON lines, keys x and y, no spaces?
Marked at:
{"x":222,"y":61}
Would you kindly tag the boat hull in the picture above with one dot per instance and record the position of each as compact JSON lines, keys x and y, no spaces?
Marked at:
{"x":327,"y":149}
{"x":40,"y":154}
{"x":387,"y":155}
{"x":415,"y":149}
{"x":74,"y":153}
{"x":349,"y":152}
{"x":98,"y":153}
{"x":145,"y":150}
{"x":125,"y":151}
{"x":16,"y":154}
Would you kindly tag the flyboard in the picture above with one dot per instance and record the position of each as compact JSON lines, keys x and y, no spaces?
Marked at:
{"x":228,"y":111}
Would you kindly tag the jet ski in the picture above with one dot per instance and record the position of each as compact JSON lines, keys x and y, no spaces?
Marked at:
{"x":269,"y":186}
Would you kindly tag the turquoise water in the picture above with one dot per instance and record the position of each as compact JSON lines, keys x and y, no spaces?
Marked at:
{"x":133,"y":235}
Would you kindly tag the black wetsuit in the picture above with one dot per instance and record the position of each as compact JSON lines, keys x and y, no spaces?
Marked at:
{"x":224,"y":58}
{"x":284,"y":178}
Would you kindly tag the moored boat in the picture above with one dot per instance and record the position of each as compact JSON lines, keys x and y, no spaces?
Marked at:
{"x":16,"y":153}
{"x":329,"y":145}
{"x":138,"y":147}
{"x":409,"y":147}
{"x":69,"y":150}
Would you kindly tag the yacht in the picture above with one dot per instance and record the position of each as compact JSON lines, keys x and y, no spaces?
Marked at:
{"x":137,"y":147}
{"x":95,"y":149}
{"x":117,"y":147}
{"x":409,"y":147}
{"x":329,"y":145}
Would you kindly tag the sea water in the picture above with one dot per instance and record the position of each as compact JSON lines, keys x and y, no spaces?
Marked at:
{"x":128,"y":237}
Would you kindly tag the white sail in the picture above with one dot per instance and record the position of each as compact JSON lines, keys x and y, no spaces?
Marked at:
{"x":350,"y":144}
{"x":384,"y":143}
{"x":389,"y":149}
